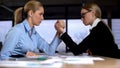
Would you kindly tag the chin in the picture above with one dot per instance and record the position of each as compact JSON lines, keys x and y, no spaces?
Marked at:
{"x":37,"y":24}
{"x":86,"y":24}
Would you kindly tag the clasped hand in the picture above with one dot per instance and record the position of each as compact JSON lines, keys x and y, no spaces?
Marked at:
{"x":59,"y":26}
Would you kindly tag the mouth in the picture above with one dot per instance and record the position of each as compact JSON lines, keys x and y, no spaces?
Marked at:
{"x":40,"y":21}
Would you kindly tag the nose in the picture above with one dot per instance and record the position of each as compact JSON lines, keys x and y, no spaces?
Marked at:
{"x":42,"y":17}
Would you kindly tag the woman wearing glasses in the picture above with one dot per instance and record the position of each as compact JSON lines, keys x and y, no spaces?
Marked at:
{"x":100,"y":41}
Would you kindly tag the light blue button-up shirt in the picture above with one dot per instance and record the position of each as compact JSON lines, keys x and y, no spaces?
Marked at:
{"x":19,"y":41}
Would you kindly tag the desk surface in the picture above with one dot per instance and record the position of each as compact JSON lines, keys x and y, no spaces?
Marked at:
{"x":106,"y":63}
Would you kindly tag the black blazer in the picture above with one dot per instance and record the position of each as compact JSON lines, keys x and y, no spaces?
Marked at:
{"x":100,"y":41}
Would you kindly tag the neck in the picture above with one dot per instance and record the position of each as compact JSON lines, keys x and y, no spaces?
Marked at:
{"x":30,"y":22}
{"x":94,"y":18}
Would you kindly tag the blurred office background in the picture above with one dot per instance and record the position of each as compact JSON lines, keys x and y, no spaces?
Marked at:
{"x":67,"y":10}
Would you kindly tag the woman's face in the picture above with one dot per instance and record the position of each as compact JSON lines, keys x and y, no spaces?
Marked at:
{"x":37,"y":16}
{"x":87,"y":16}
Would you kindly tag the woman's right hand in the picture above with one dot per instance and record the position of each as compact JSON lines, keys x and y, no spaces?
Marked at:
{"x":31,"y":54}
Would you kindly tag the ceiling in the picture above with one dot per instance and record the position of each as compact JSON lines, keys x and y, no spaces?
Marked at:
{"x":61,"y":9}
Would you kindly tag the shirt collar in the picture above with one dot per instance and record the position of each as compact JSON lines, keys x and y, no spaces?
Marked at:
{"x":96,"y":21}
{"x":27,"y":26}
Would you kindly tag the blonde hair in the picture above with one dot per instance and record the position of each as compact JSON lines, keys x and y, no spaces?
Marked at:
{"x":31,"y":5}
{"x":18,"y":15}
{"x":95,"y":7}
{"x":21,"y":13}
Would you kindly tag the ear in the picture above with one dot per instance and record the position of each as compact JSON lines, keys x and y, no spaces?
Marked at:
{"x":93,"y":11}
{"x":94,"y":14}
{"x":30,"y":13}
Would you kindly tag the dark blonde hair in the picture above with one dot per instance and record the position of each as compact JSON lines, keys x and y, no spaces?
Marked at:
{"x":22,"y":12}
{"x":31,"y":5}
{"x":18,"y":15}
{"x":95,"y":7}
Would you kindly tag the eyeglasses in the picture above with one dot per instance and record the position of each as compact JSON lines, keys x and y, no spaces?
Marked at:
{"x":83,"y":14}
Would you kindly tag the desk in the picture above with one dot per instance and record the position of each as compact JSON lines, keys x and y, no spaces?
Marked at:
{"x":106,"y":63}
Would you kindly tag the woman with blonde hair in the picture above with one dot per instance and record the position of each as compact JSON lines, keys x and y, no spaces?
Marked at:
{"x":23,"y":39}
{"x":100,"y":41}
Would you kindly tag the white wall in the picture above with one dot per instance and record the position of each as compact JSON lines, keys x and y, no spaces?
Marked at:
{"x":116,"y":30}
{"x":5,"y":26}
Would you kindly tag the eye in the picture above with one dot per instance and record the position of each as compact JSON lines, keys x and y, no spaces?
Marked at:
{"x":83,"y":14}
{"x":41,"y":14}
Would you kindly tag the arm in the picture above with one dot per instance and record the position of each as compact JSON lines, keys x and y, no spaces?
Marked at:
{"x":11,"y":40}
{"x":76,"y":49}
{"x":49,"y":48}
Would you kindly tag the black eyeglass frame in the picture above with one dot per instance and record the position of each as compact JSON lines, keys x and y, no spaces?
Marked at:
{"x":83,"y":14}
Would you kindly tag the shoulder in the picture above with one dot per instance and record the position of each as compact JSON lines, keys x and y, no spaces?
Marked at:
{"x":103,"y":27}
{"x":16,"y":29}
{"x":102,"y":23}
